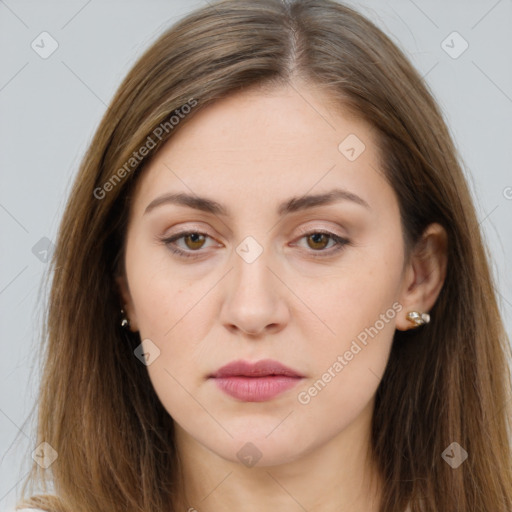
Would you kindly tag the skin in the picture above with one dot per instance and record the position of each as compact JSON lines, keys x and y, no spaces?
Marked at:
{"x":250,"y":152}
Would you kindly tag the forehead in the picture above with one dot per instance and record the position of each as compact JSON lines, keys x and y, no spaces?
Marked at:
{"x":283,"y":123}
{"x":269,"y":144}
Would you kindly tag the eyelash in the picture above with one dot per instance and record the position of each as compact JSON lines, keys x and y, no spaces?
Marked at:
{"x":339,"y":241}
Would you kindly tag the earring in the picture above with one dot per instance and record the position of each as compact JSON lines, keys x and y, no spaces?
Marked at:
{"x":418,"y":318}
{"x":125,"y":323}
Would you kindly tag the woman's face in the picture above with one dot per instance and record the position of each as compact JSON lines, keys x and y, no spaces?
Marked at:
{"x":272,"y":271}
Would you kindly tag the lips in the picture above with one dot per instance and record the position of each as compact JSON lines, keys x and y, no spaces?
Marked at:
{"x":263,"y":368}
{"x":255,"y":382}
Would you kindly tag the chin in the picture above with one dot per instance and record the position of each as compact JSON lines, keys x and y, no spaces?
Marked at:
{"x":264,"y":447}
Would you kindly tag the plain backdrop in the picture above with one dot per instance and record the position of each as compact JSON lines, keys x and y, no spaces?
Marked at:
{"x":50,"y":107}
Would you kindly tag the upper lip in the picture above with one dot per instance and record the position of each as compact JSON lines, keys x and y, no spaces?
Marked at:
{"x":261,"y":368}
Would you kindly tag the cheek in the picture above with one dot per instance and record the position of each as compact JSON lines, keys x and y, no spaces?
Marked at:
{"x":358,"y":308}
{"x":173,"y":315}
{"x":174,"y":310}
{"x":348,"y":367}
{"x":357,"y":297}
{"x":163,"y":295}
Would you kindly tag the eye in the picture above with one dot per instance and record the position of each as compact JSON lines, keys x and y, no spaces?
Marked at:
{"x":318,"y":240}
{"x":194,"y":240}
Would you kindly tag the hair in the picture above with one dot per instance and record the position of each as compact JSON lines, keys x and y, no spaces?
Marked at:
{"x":446,"y":382}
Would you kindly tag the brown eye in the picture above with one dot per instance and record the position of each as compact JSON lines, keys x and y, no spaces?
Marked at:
{"x":318,"y":243}
{"x":196,"y":240}
{"x":319,"y":240}
{"x":193,"y":241}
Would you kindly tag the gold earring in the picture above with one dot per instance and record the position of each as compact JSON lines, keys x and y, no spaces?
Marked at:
{"x":125,"y":323}
{"x":418,"y":318}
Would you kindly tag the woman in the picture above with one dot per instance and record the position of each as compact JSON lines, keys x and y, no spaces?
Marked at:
{"x":270,"y":287}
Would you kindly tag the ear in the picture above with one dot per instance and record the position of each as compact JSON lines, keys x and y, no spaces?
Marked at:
{"x":129,"y":310}
{"x":424,"y":274}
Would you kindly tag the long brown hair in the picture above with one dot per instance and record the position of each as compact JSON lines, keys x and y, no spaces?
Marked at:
{"x":447,"y":382}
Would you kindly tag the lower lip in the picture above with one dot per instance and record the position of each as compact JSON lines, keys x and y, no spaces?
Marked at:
{"x":256,"y":389}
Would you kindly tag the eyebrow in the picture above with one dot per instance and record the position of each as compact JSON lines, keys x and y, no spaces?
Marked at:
{"x":291,"y":205}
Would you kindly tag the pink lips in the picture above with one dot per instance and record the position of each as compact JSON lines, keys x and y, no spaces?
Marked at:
{"x":255,"y":382}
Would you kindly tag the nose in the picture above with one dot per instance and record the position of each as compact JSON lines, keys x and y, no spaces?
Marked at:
{"x":254,"y":301}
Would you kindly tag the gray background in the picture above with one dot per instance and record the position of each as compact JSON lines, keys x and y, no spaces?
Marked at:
{"x":49,"y":109}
